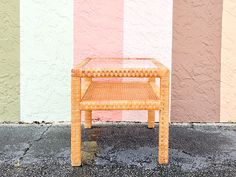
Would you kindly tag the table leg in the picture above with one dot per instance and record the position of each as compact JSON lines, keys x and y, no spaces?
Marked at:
{"x":164,"y":121}
{"x":75,"y":122}
{"x":88,"y":114}
{"x":151,"y":113}
{"x":88,"y":119}
{"x":151,"y":119}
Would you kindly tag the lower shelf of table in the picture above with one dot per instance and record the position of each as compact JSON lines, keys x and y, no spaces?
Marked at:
{"x":120,"y":96}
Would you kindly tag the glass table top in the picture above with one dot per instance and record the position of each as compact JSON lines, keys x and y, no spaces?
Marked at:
{"x":119,"y":64}
{"x":120,"y":67}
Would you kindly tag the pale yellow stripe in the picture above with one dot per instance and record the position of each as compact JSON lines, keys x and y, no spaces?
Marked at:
{"x":228,"y":62}
{"x":9,"y":60}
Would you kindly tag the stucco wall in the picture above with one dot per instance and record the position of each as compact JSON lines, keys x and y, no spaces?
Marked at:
{"x":147,"y":33}
{"x":35,"y":70}
{"x":46,"y":59}
{"x":228,"y":62}
{"x":196,"y":60}
{"x":98,"y":32}
{"x":9,"y":61}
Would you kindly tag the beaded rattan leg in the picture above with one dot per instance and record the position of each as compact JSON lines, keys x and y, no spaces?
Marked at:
{"x":164,"y":121}
{"x":151,"y":113}
{"x":88,"y":119}
{"x":75,"y":122}
{"x":151,"y":119}
{"x":88,"y":114}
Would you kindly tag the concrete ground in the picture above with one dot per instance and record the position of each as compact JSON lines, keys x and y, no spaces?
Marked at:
{"x":117,"y":149}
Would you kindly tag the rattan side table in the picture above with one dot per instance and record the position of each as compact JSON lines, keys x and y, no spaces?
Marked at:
{"x":88,"y":95}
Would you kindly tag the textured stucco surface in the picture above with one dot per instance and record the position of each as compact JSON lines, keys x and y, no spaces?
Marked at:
{"x":196,"y":60}
{"x":98,"y":32}
{"x":98,"y":29}
{"x":46,"y":59}
{"x":147,"y":33}
{"x":203,"y":76}
{"x":9,"y":60}
{"x":228,"y":62}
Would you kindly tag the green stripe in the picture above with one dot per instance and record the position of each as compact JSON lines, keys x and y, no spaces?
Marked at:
{"x":9,"y":60}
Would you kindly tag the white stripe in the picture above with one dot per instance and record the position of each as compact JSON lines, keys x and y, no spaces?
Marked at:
{"x":46,"y":59}
{"x":147,"y":33}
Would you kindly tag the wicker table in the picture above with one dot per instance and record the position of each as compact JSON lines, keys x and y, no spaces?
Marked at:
{"x":88,"y":95}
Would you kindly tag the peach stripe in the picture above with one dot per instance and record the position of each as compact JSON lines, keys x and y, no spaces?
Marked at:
{"x":228,"y":63}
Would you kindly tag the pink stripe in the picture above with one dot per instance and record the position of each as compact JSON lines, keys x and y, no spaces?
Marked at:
{"x":98,"y":32}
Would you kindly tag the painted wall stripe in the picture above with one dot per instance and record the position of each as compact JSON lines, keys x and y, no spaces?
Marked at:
{"x":196,"y":61}
{"x":98,"y":32}
{"x":98,"y":29}
{"x":46,"y":59}
{"x":9,"y":61}
{"x":228,"y":62}
{"x":147,"y":33}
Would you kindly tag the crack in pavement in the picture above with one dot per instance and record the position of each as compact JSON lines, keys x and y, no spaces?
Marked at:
{"x":30,"y":143}
{"x":42,"y":134}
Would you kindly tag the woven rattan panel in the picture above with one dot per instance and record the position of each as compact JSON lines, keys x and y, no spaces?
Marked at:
{"x":119,"y":91}
{"x":116,"y":95}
